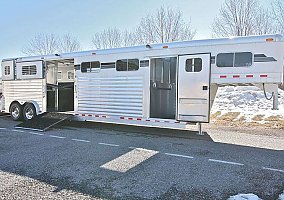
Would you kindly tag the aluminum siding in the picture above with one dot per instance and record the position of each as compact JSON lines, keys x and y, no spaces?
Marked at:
{"x":118,"y":95}
{"x":24,"y":90}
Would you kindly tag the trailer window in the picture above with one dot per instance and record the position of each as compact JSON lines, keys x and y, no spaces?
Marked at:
{"x":121,"y":65}
{"x":133,"y":64}
{"x":243,"y":59}
{"x":29,"y":70}
{"x":193,"y":65}
{"x":225,"y":60}
{"x":239,"y":59}
{"x":144,"y":63}
{"x":70,"y":75}
{"x":7,"y":70}
{"x":127,"y":65}
{"x":94,"y":66}
{"x":59,"y":75}
{"x":85,"y":66}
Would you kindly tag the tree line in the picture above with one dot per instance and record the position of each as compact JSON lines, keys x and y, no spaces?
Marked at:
{"x":235,"y":18}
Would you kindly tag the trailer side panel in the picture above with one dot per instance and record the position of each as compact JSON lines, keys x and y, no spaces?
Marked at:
{"x":25,"y":91}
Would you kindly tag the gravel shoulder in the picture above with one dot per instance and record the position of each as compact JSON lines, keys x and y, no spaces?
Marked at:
{"x":17,"y":187}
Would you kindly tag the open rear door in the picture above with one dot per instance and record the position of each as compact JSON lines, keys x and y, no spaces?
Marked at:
{"x":194,"y":88}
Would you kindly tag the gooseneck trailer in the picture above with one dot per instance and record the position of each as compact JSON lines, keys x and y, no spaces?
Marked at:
{"x":161,"y":85}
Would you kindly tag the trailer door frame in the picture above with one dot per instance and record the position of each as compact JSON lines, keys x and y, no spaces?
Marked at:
{"x":193,"y":95}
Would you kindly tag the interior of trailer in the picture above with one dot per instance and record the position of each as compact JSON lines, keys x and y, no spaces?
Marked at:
{"x":163,"y":88}
{"x":60,"y":85}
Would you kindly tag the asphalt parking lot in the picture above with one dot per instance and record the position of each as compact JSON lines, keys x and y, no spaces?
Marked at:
{"x":101,"y":162}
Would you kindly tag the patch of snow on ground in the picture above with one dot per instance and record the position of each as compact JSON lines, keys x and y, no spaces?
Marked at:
{"x":281,"y":196}
{"x":248,"y":100}
{"x":244,"y":197}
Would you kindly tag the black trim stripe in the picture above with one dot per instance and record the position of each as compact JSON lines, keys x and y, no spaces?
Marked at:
{"x":77,"y":67}
{"x":110,"y":65}
{"x":263,"y":58}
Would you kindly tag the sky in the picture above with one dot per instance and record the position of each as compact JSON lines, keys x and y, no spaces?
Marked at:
{"x":21,"y":20}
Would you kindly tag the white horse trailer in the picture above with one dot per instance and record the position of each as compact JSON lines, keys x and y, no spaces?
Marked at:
{"x":161,"y":85}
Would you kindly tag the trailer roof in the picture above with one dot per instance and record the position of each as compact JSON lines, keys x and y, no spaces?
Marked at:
{"x":191,"y":43}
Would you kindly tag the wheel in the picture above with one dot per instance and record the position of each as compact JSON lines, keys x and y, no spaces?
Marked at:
{"x":16,"y":111}
{"x":29,"y":112}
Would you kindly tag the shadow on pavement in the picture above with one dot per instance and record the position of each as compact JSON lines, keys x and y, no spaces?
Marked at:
{"x":152,"y":131}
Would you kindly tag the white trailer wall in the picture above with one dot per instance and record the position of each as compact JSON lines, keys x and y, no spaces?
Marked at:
{"x":23,"y":91}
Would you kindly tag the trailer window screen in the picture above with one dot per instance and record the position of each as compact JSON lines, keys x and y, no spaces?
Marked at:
{"x":121,"y":65}
{"x":127,"y":65}
{"x":225,"y":60}
{"x":240,"y":59}
{"x":29,"y":70}
{"x":7,"y":70}
{"x":59,"y":75}
{"x":133,"y":64}
{"x":94,"y":66}
{"x":243,"y":59}
{"x":144,"y":63}
{"x":70,"y":75}
{"x":193,"y":65}
{"x":85,"y":66}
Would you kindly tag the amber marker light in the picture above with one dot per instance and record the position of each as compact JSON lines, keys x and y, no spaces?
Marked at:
{"x":269,"y":39}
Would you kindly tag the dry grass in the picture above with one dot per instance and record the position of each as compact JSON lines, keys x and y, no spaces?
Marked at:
{"x":273,"y":118}
{"x":215,"y":115}
{"x":231,"y":119}
{"x":258,"y":118}
{"x":230,"y":116}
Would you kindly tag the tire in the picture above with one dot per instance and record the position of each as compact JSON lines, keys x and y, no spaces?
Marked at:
{"x":16,"y":111}
{"x":29,"y":112}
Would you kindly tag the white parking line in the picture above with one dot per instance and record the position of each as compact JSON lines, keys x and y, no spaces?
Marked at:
{"x":78,"y":140}
{"x":2,"y":128}
{"x":34,"y":133}
{"x":55,"y":136}
{"x":226,"y":162}
{"x":107,"y":144}
{"x":19,"y":131}
{"x":271,"y":169}
{"x":178,"y":155}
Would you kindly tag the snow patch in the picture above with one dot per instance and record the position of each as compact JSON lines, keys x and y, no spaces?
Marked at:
{"x":244,"y":197}
{"x":281,"y":196}
{"x":248,"y":100}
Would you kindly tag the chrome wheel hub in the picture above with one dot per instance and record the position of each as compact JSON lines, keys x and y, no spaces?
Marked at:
{"x":15,"y":112}
{"x":29,"y":113}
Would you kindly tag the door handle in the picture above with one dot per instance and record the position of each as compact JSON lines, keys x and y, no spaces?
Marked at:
{"x":204,"y":87}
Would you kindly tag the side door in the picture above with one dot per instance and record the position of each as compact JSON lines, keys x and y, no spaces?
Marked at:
{"x":194,"y":88}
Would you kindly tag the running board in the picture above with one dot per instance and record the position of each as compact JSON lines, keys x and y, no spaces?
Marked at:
{"x":43,"y":122}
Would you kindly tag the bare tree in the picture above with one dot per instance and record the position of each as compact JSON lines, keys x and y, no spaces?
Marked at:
{"x":42,"y":44}
{"x":264,"y":23}
{"x":278,"y":13}
{"x":114,"y":38}
{"x":108,"y":38}
{"x":166,"y":25}
{"x":68,"y":43}
{"x":129,"y":38}
{"x":240,"y":18}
